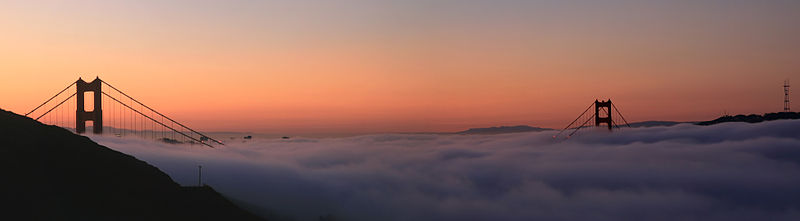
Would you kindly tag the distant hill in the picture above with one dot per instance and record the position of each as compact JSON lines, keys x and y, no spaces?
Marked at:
{"x":753,"y":118}
{"x":49,"y":173}
{"x":503,"y":130}
{"x":656,"y":124}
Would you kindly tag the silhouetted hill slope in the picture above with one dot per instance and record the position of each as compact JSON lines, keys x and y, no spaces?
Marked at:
{"x":753,"y":118}
{"x":503,"y":129}
{"x":48,"y":173}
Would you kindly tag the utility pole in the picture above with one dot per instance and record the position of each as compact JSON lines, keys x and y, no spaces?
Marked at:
{"x":199,"y":175}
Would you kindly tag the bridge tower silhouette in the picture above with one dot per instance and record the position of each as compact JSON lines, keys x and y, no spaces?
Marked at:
{"x":116,"y":112}
{"x":603,"y":114}
{"x":96,"y":115}
{"x":598,"y":118}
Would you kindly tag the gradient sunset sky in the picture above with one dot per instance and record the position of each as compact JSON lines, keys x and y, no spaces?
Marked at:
{"x":373,"y":66}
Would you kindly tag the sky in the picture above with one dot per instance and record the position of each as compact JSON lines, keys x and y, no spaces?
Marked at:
{"x":377,"y":66}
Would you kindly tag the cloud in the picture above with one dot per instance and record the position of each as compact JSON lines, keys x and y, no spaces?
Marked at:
{"x":731,"y":171}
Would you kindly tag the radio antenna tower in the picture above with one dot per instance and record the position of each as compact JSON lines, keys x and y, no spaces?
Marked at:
{"x":786,"y":107}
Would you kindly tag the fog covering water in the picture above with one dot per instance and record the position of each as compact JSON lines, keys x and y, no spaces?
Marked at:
{"x":731,"y":171}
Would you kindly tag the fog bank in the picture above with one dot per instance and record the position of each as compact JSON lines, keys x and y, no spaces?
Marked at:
{"x":731,"y":171}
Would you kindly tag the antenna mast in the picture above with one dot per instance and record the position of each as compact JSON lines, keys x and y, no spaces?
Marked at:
{"x":786,"y":107}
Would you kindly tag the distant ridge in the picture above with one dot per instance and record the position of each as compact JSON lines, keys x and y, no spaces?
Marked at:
{"x":657,"y":123}
{"x":753,"y":118}
{"x":503,"y":130}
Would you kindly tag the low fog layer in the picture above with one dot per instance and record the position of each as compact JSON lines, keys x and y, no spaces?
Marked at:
{"x":731,"y":171}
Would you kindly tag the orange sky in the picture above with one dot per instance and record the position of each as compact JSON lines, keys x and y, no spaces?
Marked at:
{"x":297,"y":67}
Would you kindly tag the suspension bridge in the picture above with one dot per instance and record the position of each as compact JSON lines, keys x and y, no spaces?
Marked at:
{"x":603,"y":114}
{"x":113,"y":112}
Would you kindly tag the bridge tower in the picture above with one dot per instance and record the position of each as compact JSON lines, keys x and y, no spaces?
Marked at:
{"x":606,"y":107}
{"x":602,"y":115}
{"x":96,"y":115}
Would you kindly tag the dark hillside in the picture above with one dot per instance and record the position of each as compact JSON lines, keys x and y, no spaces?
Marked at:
{"x":49,"y":173}
{"x":753,"y":118}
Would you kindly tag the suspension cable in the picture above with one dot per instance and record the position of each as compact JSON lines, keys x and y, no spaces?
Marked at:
{"x":584,"y":124}
{"x":59,"y":104}
{"x":573,"y":122}
{"x":48,"y":100}
{"x":148,"y":117}
{"x":151,"y":109}
{"x":620,"y":114}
